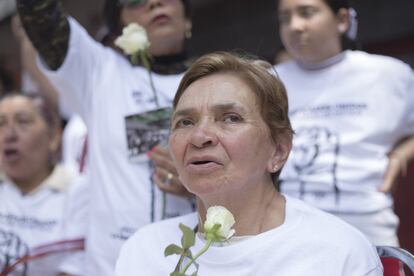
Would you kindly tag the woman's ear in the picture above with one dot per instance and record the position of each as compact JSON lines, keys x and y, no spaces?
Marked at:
{"x":55,"y":139}
{"x":343,"y":20}
{"x":188,"y":27}
{"x":280,"y":153}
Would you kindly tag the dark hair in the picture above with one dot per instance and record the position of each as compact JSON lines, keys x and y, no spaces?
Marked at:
{"x":336,"y":5}
{"x":268,"y":90}
{"x":112,"y":15}
{"x":6,"y":81}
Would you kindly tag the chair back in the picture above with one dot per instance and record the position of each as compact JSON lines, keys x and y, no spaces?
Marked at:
{"x":387,"y":253}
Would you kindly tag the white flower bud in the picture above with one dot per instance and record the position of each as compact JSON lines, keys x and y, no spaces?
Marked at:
{"x":222,"y":216}
{"x":133,"y":39}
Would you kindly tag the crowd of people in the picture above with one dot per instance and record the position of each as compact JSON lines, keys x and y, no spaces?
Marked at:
{"x":304,"y":153}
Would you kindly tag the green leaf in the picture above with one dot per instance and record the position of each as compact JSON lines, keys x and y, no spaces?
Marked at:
{"x":187,"y":253}
{"x":176,"y":274}
{"x":173,"y":249}
{"x":188,"y":238}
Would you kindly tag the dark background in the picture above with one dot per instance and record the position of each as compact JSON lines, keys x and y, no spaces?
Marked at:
{"x":385,"y":27}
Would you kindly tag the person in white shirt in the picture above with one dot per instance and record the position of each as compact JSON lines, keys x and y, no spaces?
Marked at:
{"x":36,"y":191}
{"x":353,"y":114}
{"x":33,"y":80}
{"x":230,"y":137}
{"x":114,"y":99}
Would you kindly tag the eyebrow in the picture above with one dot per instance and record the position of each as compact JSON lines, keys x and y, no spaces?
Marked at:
{"x":299,"y":7}
{"x":216,"y":108}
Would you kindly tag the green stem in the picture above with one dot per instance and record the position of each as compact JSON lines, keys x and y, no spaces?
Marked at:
{"x":147,"y":65}
{"x":164,"y":205}
{"x":180,"y":261}
{"x":134,"y":59}
{"x":153,"y":89}
{"x":202,"y":251}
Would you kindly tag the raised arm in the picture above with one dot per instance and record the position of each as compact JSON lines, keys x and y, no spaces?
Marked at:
{"x":28,"y":62}
{"x":47,"y":27}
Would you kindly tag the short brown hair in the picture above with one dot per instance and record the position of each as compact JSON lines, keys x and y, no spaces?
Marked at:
{"x":269,"y":91}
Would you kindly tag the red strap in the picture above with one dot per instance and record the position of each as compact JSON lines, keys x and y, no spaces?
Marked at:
{"x":392,"y":267}
{"x":47,"y":250}
{"x":83,"y":155}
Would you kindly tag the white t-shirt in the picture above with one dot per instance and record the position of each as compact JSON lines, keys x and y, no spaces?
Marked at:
{"x":309,"y":242}
{"x":33,"y":224}
{"x":109,"y":94}
{"x":347,"y":116}
{"x":77,"y":217}
{"x":73,"y":144}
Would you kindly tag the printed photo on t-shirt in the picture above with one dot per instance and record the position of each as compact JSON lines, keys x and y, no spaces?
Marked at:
{"x":146,"y":130}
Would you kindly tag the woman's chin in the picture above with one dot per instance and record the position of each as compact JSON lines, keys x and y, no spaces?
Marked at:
{"x":203,"y":188}
{"x":166,"y":42}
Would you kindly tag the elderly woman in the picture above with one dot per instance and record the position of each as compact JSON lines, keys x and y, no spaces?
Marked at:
{"x":34,"y":196}
{"x":115,"y":98}
{"x":230,"y":137}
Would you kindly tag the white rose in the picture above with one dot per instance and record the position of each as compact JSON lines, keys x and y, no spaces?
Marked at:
{"x":133,"y":39}
{"x":222,"y":216}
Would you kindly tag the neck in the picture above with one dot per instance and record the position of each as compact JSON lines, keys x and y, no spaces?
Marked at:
{"x":170,"y":64}
{"x":166,"y":46}
{"x":255,"y":212}
{"x":322,"y":64}
{"x":29,"y":184}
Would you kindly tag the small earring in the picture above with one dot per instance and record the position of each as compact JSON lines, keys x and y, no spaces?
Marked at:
{"x":275,"y":168}
{"x":188,"y":34}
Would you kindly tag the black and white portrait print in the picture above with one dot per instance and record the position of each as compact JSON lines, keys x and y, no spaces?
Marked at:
{"x":146,"y":130}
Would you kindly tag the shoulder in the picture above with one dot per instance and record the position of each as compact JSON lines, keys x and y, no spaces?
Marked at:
{"x":382,"y":71}
{"x":7,"y":187}
{"x":327,"y":225}
{"x":163,"y":231}
{"x":149,"y":242}
{"x":288,"y":67}
{"x":377,"y":62}
{"x":333,"y":236}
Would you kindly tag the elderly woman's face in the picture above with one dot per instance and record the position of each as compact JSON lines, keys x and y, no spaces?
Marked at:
{"x":25,"y":140}
{"x":219,"y":142}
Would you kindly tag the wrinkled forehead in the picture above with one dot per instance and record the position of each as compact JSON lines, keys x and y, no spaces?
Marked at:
{"x":20,"y":104}
{"x":223,"y":89}
{"x":17,"y":101}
